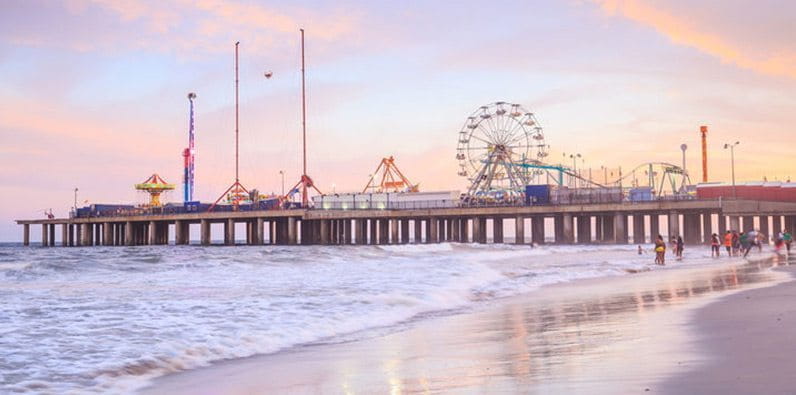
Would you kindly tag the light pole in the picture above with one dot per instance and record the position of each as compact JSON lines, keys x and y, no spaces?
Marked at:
{"x":282,"y":173}
{"x":75,"y":200}
{"x":683,"y":147}
{"x":574,"y":158}
{"x":732,"y":165}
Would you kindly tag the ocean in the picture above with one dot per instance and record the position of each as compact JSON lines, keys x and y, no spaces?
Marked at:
{"x":110,"y":319}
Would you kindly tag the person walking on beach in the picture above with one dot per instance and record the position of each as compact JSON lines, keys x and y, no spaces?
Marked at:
{"x":778,"y":242}
{"x":728,"y":243}
{"x":680,"y":245}
{"x":714,"y":246}
{"x":674,"y":246}
{"x":660,"y":251}
{"x":746,"y":243}
{"x":759,"y":240}
{"x":736,"y":243}
{"x":787,"y":239}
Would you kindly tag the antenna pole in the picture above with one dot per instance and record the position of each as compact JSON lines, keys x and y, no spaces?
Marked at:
{"x":237,"y":179}
{"x":303,"y":107}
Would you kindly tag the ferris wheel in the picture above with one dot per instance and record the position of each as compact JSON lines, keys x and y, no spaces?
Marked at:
{"x":494,"y":140}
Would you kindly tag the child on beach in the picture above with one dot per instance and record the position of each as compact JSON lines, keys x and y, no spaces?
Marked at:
{"x":660,"y":251}
{"x":728,"y":243}
{"x":714,"y":246}
{"x":679,"y":244}
{"x":787,"y":239}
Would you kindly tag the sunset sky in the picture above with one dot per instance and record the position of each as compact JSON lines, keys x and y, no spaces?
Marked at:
{"x":93,"y":92}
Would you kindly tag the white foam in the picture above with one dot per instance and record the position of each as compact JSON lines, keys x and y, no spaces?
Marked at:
{"x":110,"y":319}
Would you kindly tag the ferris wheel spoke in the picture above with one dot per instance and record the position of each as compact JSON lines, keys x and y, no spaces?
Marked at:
{"x":489,"y":135}
{"x":479,"y":139}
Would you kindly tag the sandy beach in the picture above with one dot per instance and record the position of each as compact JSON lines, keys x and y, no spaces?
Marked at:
{"x":674,"y":331}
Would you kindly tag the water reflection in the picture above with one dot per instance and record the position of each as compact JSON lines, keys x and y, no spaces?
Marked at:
{"x":560,"y":338}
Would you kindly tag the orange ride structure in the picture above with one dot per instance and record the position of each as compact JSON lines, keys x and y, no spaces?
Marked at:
{"x":390,"y":179}
{"x":154,"y":185}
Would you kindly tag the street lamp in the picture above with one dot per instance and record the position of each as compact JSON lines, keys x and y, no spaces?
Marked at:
{"x":574,"y":158}
{"x":731,"y":147}
{"x":75,"y":200}
{"x":683,"y":147}
{"x":282,"y":173}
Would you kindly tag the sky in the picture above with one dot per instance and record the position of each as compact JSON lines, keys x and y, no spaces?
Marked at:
{"x":93,"y":92}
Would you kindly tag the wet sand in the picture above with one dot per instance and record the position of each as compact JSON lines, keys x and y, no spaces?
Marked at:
{"x":629,"y":334}
{"x":749,"y":340}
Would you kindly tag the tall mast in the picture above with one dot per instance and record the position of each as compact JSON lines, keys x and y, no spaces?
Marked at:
{"x":305,"y":182}
{"x":303,"y":108}
{"x":237,"y":178}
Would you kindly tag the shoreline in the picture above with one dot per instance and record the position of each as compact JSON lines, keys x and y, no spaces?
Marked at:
{"x":448,"y":350}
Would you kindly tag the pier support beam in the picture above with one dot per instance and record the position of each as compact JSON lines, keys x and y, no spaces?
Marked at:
{"x":776,"y":225}
{"x":348,"y":236}
{"x":153,"y":233}
{"x":259,"y":232}
{"x":735,"y":223}
{"x":537,"y":230}
{"x":764,"y":228}
{"x":373,"y":231}
{"x":722,"y":224}
{"x":325,"y":227}
{"x":691,"y":229}
{"x":44,"y":237}
{"x":464,"y":228}
{"x":790,"y":224}
{"x":72,"y":228}
{"x":608,"y":229}
{"x":178,"y":232}
{"x":361,"y":226}
{"x":26,"y":235}
{"x":204,"y":232}
{"x":64,"y":235}
{"x":85,"y":234}
{"x":567,"y":229}
{"x":620,"y":228}
{"x":638,"y":229}
{"x":129,"y":234}
{"x":292,"y":230}
{"x":519,"y":230}
{"x":707,"y":227}
{"x":748,"y":223}
{"x":674,"y":225}
{"x":394,"y":231}
{"x":107,"y":234}
{"x":229,"y":232}
{"x":433,"y":230}
{"x":497,"y":230}
{"x":384,"y":231}
{"x":404,"y":231}
{"x":584,"y":229}
{"x":418,"y":224}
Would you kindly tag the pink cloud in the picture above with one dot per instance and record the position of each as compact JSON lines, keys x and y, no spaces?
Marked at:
{"x":695,"y":33}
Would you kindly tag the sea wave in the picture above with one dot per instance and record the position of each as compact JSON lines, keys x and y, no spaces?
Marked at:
{"x":111,"y":319}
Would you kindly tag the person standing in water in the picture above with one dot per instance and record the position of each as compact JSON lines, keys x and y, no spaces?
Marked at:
{"x":660,"y":251}
{"x":728,"y":243}
{"x":787,"y":238}
{"x":679,"y":245}
{"x":714,"y":246}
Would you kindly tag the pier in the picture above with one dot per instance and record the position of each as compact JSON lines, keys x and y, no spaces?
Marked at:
{"x":613,"y":223}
